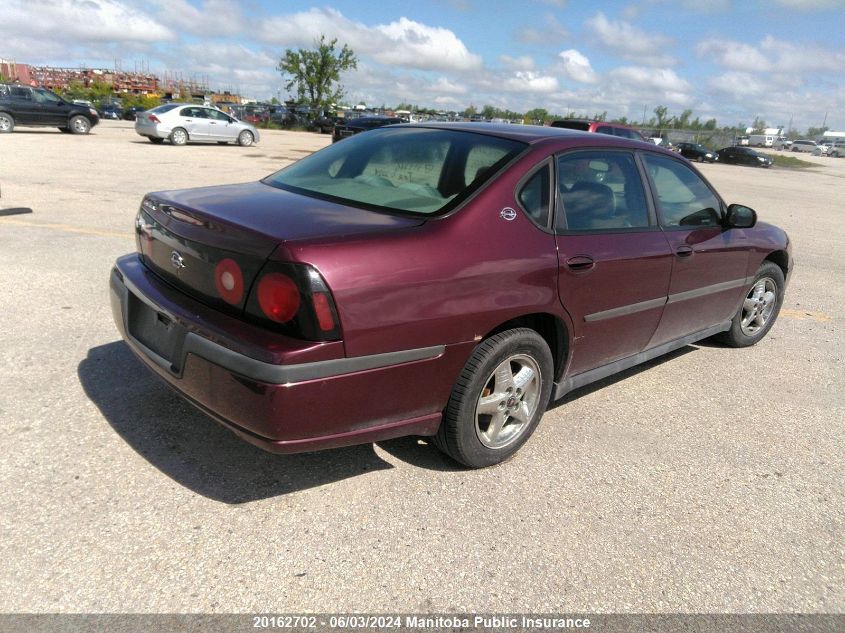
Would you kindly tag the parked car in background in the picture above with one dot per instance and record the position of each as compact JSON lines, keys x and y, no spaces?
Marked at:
{"x":444,"y":280}
{"x":836,"y":149}
{"x":823,"y":148}
{"x":181,"y":123}
{"x":323,"y":124}
{"x":111,"y":111}
{"x":130,"y":114}
{"x":803,"y":145}
{"x":743,"y":156}
{"x":697,"y":152}
{"x":345,"y":128}
{"x":600,"y":127}
{"x":28,"y":106}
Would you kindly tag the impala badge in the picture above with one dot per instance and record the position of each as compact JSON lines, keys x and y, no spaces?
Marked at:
{"x":177,"y":260}
{"x":508,"y":214}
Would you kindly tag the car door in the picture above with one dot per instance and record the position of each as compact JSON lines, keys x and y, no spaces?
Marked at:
{"x":614,"y":262}
{"x":26,"y":110}
{"x":52,"y":109}
{"x":220,"y":126}
{"x":709,"y":261}
{"x":193,"y":119}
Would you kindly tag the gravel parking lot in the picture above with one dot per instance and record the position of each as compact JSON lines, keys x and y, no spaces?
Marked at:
{"x":709,"y":481}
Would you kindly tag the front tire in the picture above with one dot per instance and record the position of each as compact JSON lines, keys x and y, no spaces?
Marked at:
{"x":79,"y":125}
{"x":498,"y":399}
{"x":7,"y":123}
{"x":759,"y":309}
{"x":245,"y":138}
{"x":178,"y":136}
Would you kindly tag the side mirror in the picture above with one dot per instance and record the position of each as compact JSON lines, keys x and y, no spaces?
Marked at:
{"x":740,"y":217}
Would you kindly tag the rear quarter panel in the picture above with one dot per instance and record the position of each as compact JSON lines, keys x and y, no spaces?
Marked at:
{"x":450,"y":280}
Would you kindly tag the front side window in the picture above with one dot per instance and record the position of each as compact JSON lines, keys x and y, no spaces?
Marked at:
{"x":600,"y":190}
{"x":414,"y":170}
{"x":45,"y":97}
{"x":683,"y":198}
{"x":217,"y":115}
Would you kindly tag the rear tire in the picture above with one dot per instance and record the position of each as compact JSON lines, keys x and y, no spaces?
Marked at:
{"x":7,"y":123}
{"x":79,"y":124}
{"x":759,"y":309}
{"x":178,"y":136}
{"x":498,"y":399}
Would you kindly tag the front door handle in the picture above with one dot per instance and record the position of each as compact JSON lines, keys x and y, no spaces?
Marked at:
{"x":580,"y":263}
{"x":684,"y":251}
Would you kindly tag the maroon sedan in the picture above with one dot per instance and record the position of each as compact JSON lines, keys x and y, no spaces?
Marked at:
{"x":443,"y":280}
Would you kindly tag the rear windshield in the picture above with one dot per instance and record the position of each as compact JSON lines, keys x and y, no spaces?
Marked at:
{"x":406,"y":169}
{"x":572,"y":125}
{"x":167,"y":107}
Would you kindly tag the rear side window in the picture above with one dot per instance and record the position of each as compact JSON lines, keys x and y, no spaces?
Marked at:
{"x":535,"y":196}
{"x":683,"y":198}
{"x":21,"y":93}
{"x":601,"y":191}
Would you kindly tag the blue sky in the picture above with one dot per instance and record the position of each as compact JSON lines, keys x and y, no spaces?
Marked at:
{"x":733,"y":60}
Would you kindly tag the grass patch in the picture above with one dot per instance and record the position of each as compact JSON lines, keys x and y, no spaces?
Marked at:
{"x":791,"y":162}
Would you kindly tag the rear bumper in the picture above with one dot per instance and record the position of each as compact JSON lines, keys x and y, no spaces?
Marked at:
{"x":288,"y":407}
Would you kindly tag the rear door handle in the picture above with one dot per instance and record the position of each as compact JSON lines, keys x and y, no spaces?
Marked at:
{"x":684,"y":251}
{"x":580,"y":263}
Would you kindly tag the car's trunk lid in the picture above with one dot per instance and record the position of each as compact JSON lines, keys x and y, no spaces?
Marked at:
{"x":187,"y":236}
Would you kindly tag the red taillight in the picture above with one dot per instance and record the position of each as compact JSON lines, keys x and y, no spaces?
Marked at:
{"x":278,"y":297}
{"x":229,"y":281}
{"x":323,"y":310}
{"x":154,"y":119}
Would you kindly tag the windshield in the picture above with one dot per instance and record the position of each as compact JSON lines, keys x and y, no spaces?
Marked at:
{"x":413,"y":170}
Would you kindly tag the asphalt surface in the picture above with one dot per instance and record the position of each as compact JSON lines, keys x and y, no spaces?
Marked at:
{"x":708,"y":481}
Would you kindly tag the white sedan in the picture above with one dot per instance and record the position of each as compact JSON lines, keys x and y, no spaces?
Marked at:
{"x":183,"y":122}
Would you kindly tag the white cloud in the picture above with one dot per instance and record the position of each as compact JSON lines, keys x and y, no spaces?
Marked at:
{"x":657,"y":84}
{"x":529,"y":81}
{"x":630,"y":42}
{"x":416,"y":45}
{"x":734,"y":55}
{"x":524,"y":62}
{"x":401,"y":43}
{"x":775,"y":57}
{"x":576,"y":67}
{"x":211,"y":18}
{"x":80,"y":21}
{"x":739,"y":84}
{"x":552,"y":32}
{"x":810,"y":5}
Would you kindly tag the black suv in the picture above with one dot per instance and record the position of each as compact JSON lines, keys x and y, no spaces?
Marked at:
{"x":23,"y":105}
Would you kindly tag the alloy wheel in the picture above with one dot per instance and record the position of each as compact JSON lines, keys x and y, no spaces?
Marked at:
{"x":758,"y":306}
{"x":508,"y":401}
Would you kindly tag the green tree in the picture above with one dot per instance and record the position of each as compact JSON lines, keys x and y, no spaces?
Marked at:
{"x":663,"y":119}
{"x":813,"y":132}
{"x":315,"y":73}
